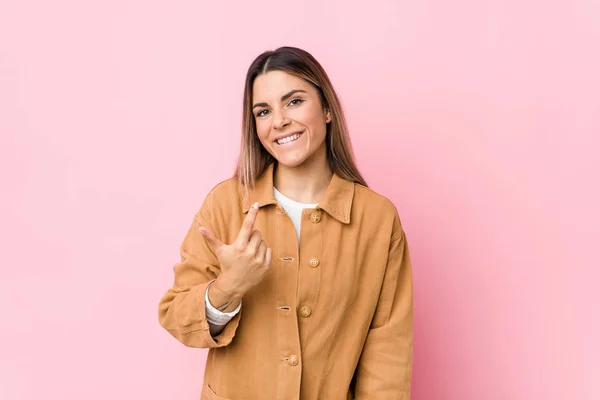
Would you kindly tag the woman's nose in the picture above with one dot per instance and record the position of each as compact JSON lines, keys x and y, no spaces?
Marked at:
{"x":280,"y":120}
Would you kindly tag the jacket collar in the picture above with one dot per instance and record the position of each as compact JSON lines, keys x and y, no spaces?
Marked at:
{"x":337,"y":200}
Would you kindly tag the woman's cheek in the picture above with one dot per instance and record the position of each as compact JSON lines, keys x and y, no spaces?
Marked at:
{"x":261,"y":130}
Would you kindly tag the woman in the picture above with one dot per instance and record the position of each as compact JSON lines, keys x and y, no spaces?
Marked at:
{"x":294,"y":274}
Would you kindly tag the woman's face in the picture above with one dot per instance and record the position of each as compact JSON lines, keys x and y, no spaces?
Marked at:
{"x":290,"y":120}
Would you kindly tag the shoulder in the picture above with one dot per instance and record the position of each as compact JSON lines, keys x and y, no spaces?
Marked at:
{"x":225,"y":195}
{"x":378,"y":208}
{"x":227,"y":189}
{"x":373,"y":201}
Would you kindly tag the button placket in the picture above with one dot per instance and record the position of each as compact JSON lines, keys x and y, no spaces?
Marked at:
{"x":286,"y":280}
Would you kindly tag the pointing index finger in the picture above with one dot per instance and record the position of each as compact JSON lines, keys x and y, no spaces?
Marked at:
{"x":248,"y":225}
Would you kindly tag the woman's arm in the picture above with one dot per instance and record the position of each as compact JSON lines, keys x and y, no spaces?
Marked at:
{"x":182,"y":310}
{"x":385,"y":367}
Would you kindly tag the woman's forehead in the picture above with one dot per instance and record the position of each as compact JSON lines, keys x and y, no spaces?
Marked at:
{"x":274,"y":84}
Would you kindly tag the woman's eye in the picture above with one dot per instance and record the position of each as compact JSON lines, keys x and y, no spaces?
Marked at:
{"x":262,"y":113}
{"x":295,"y":102}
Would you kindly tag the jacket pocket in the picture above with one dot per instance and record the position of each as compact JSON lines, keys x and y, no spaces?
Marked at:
{"x":209,"y":394}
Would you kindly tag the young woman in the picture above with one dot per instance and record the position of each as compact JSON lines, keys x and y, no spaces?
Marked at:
{"x":294,"y":273}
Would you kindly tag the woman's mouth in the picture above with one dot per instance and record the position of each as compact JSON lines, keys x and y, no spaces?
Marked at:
{"x":289,"y":139}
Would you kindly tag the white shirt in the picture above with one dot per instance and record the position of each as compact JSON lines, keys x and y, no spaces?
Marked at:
{"x":218,"y":319}
{"x":293,"y":209}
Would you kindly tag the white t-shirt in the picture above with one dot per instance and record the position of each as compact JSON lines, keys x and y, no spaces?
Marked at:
{"x":293,"y":209}
{"x":218,"y":319}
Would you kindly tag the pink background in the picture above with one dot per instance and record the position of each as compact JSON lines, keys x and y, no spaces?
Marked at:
{"x":479,"y":119}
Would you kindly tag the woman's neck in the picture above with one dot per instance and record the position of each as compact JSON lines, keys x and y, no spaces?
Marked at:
{"x":306,"y":183}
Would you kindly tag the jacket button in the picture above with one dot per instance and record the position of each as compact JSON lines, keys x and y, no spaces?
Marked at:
{"x":305,"y":311}
{"x":315,"y":217}
{"x":292,"y":360}
{"x":313,"y":262}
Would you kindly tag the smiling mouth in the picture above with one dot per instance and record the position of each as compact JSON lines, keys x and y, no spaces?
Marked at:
{"x":289,"y":139}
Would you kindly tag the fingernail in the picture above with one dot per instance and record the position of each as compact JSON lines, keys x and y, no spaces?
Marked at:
{"x":255,"y":205}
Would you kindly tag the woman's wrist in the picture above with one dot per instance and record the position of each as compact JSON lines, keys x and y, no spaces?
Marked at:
{"x":223,"y":296}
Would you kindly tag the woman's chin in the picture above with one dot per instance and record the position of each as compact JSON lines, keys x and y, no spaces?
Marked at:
{"x":290,"y":164}
{"x":290,"y":161}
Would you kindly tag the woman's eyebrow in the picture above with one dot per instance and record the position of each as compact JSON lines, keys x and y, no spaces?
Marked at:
{"x":291,"y":93}
{"x":283,"y":98}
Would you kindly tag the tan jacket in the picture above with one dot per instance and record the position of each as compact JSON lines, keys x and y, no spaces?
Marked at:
{"x":332,"y":319}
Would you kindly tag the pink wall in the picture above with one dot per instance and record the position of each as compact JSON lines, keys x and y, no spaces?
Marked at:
{"x":480,"y":119}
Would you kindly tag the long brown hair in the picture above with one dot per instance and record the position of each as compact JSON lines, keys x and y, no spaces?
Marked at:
{"x":254,"y":158}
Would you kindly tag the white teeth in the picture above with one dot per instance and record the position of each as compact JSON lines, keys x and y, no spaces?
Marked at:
{"x":289,"y":139}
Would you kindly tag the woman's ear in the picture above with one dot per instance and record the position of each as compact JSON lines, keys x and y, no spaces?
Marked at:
{"x":327,"y":116}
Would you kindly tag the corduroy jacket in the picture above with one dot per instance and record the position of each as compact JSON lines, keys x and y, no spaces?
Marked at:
{"x":333,"y":317}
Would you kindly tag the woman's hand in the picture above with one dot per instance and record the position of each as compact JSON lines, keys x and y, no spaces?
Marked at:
{"x":243,"y":263}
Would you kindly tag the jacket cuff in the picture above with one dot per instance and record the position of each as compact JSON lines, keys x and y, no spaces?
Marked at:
{"x":225,"y":337}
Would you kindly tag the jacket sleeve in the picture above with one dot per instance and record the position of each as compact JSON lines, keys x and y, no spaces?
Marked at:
{"x":385,"y":367}
{"x":182,"y":309}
